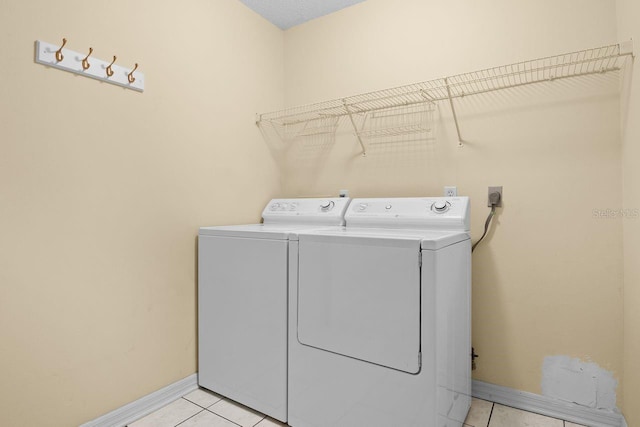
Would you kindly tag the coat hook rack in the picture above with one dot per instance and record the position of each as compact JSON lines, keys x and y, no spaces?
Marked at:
{"x":51,"y":55}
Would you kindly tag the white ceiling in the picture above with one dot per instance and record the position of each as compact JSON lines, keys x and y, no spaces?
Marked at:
{"x":288,"y":13}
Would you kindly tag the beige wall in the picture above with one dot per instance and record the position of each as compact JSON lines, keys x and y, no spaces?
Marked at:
{"x":548,"y":279}
{"x":102,"y":190}
{"x":629,"y":27}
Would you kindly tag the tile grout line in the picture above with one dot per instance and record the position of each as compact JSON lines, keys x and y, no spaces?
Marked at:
{"x":202,"y":409}
{"x":234,"y":403}
{"x":261,"y":420}
{"x":529,"y":412}
{"x":493,"y":405}
{"x":188,"y":418}
{"x":215,"y":413}
{"x":197,"y":404}
{"x":218,"y":415}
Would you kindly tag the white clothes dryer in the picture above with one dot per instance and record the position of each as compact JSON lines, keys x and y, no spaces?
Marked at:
{"x":379,"y":319}
{"x":242,"y":301}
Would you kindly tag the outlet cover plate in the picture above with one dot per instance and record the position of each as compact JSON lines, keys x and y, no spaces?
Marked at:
{"x":493,"y":190}
{"x":450,"y":191}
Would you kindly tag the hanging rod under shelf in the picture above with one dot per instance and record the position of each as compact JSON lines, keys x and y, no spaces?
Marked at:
{"x":585,"y":62}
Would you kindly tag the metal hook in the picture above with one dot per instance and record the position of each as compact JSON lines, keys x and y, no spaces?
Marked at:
{"x":109,"y":69}
{"x":85,"y":61}
{"x":59,"y":55}
{"x":130,"y":75}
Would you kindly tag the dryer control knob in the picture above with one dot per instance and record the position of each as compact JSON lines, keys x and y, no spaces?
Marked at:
{"x":274,"y":206}
{"x":440,"y":206}
{"x":327,"y":206}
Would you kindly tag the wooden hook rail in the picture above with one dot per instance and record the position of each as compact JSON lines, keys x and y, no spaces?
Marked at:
{"x":57,"y":56}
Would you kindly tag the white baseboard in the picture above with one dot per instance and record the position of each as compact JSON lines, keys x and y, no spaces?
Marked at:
{"x":504,"y":395}
{"x":547,"y":406}
{"x":145,"y":405}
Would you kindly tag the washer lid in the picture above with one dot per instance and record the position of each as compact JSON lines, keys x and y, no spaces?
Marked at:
{"x":428,"y":239}
{"x":258,"y":231}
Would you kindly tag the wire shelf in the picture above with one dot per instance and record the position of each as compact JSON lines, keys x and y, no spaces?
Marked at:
{"x":585,"y":62}
{"x":398,"y":121}
{"x":304,"y":128}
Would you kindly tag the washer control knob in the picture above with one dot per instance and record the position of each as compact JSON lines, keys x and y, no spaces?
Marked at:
{"x":362,"y":206}
{"x":327,"y":206}
{"x":293,"y":206}
{"x":440,"y":206}
{"x":274,"y":206}
{"x":387,"y":207}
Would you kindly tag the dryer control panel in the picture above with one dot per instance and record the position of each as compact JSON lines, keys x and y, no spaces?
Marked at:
{"x":431,"y":213}
{"x":324,"y":211}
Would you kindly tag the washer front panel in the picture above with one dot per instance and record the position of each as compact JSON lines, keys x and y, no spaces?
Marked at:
{"x":360,"y":297}
{"x":242,"y":328}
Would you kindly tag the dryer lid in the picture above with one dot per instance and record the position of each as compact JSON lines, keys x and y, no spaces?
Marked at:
{"x":429,"y":239}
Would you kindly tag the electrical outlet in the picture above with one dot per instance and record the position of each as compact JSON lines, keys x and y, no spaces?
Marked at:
{"x":495,"y":190}
{"x":450,"y":191}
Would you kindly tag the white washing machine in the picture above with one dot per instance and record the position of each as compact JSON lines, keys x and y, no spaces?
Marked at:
{"x":242,"y":301}
{"x":379,"y":319}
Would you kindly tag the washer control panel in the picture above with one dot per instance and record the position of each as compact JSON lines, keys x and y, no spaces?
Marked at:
{"x":283,"y":206}
{"x":438,"y":213}
{"x":328,"y":211}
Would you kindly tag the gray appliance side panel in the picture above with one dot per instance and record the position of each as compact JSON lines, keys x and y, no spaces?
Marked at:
{"x":452,"y":279}
{"x":242,"y":321}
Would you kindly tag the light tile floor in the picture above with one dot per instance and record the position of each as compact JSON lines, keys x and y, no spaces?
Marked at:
{"x":202,"y":408}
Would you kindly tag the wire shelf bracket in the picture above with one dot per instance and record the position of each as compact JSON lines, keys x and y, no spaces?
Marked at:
{"x":593,"y":61}
{"x":355,"y":128}
{"x":453,"y":111}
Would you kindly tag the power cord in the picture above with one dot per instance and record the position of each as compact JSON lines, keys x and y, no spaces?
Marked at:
{"x":494,"y":199}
